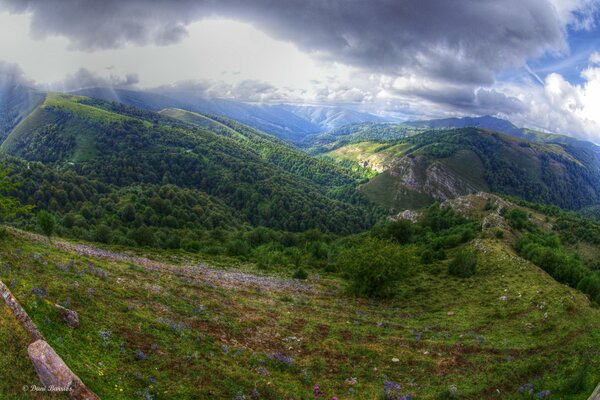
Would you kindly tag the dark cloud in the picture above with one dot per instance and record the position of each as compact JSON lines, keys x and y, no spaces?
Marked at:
{"x":247,"y":90}
{"x":465,"y":41}
{"x":84,"y":78}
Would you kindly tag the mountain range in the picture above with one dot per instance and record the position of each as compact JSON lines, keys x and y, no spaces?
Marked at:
{"x":289,"y":122}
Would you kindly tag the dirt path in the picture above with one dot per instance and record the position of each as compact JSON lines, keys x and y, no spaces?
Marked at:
{"x":198,"y":273}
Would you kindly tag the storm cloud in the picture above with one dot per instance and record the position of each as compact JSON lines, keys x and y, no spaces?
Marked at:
{"x":12,"y":75}
{"x":467,"y":41}
{"x":84,"y":78}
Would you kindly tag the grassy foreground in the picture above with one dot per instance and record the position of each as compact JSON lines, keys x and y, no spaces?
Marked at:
{"x":166,"y":331}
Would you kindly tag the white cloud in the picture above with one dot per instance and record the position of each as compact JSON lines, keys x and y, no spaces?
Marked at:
{"x":560,"y":106}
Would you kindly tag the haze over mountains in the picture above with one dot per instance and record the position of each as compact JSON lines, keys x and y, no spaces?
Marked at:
{"x":289,"y":122}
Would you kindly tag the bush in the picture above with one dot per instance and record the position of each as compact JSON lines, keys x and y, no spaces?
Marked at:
{"x":46,"y":222}
{"x":400,"y":231}
{"x":300,"y":273}
{"x":102,"y":234}
{"x":463,"y":265}
{"x":429,"y":255}
{"x":517,"y":218}
{"x":374,"y":268}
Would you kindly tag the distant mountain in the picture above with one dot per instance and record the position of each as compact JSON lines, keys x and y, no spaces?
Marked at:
{"x":388,"y":132}
{"x":498,"y":125}
{"x":289,"y":122}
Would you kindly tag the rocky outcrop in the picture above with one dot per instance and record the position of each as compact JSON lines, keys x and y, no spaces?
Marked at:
{"x":71,"y":317}
{"x":54,"y":374}
{"x":19,"y":313}
{"x":418,"y":174}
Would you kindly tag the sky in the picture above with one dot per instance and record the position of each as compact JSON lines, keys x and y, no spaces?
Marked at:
{"x":535,"y":62}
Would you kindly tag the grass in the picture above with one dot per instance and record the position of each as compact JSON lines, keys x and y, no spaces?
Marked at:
{"x":201,"y":121}
{"x":17,"y":370}
{"x":203,"y":339}
{"x":377,"y":155}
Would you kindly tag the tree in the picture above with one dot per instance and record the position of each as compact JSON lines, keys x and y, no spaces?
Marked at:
{"x":10,"y":206}
{"x":374,"y":268}
{"x":464,"y":264}
{"x":46,"y":222}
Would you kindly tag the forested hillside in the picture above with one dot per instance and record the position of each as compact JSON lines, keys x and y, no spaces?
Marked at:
{"x":419,"y":168}
{"x":124,"y":175}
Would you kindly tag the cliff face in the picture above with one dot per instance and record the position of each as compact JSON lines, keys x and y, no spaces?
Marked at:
{"x":431,"y":178}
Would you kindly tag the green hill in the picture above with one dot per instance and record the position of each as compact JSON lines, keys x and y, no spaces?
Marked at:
{"x":441,"y":164}
{"x":129,"y":158}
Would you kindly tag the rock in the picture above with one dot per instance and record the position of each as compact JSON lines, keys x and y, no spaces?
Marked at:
{"x":53,"y":371}
{"x":19,"y":312}
{"x":71,"y":317}
{"x":395,"y":360}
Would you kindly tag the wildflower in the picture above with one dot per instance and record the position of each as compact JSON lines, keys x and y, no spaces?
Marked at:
{"x":317,"y":391}
{"x":40,"y":293}
{"x":544,"y":394}
{"x":282,"y":359}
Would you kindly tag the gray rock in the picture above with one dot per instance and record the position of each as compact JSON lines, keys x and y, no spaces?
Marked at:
{"x":53,"y":372}
{"x":71,"y":317}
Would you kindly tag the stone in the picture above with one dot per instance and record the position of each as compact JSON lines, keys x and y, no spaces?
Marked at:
{"x":53,"y":372}
{"x":19,"y":313}
{"x":71,"y":317}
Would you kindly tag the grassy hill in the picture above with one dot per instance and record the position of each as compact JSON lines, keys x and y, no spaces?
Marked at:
{"x":167,"y":325}
{"x":114,"y":147}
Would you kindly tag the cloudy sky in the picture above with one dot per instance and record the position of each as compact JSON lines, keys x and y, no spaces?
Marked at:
{"x":536,"y":62}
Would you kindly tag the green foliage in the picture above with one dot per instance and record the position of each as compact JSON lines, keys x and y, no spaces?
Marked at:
{"x":374,"y":268}
{"x":401,"y":231}
{"x":463,"y":265}
{"x":517,"y":218}
{"x":300,"y":273}
{"x":113,"y":148}
{"x":10,"y":206}
{"x":546,"y":251}
{"x":46,"y":222}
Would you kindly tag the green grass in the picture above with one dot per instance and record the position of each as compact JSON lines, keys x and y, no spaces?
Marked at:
{"x":201,"y":121}
{"x":536,"y":335}
{"x":387,"y":190}
{"x":17,"y":370}
{"x":378,"y":155}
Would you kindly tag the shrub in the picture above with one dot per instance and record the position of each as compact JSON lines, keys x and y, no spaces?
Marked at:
{"x":400,"y":231}
{"x":374,"y":268}
{"x":46,"y":222}
{"x":300,"y":273}
{"x":517,"y":218}
{"x":463,"y":265}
